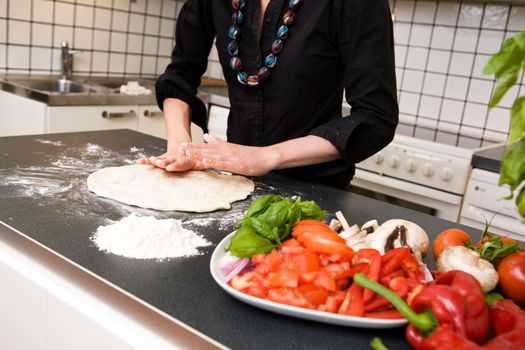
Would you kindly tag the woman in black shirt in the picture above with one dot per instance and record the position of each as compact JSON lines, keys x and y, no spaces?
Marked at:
{"x":286,"y":64}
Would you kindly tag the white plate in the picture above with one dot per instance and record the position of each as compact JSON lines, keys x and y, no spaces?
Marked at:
{"x":308,"y":314}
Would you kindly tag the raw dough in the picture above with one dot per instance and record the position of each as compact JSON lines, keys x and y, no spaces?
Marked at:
{"x":149,"y":187}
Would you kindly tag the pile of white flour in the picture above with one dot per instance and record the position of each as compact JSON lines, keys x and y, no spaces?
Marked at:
{"x":145,"y":237}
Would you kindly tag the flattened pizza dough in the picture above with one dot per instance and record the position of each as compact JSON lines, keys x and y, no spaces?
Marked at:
{"x":149,"y":187}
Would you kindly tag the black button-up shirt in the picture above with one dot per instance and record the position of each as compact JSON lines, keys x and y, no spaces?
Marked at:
{"x":334,"y":46}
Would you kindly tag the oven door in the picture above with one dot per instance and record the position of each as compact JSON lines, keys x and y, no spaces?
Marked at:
{"x":442,"y":204}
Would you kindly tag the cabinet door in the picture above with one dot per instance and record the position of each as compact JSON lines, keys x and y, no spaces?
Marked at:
{"x":21,"y":116}
{"x":86,"y":118}
{"x":151,"y":122}
{"x":218,"y":121}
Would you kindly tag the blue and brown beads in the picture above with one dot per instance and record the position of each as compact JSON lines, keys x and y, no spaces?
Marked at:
{"x":270,"y":60}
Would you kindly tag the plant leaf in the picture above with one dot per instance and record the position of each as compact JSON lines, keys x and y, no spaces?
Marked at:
{"x":520,"y":203}
{"x":512,"y":169}
{"x":503,"y":83}
{"x":517,"y":120}
{"x":246,"y":242}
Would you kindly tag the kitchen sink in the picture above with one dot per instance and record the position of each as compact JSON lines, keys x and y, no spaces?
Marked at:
{"x":58,"y":86}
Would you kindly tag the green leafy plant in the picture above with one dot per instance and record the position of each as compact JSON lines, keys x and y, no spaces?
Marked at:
{"x":507,"y":65}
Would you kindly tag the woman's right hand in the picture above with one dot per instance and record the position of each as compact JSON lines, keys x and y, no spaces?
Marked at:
{"x":178,"y":159}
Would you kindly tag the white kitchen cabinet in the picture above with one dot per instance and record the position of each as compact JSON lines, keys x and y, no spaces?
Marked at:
{"x":151,"y":122}
{"x":21,"y":116}
{"x":23,"y":309}
{"x":87,"y":118}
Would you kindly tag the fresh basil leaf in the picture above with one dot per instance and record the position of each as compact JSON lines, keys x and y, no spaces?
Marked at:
{"x":246,"y":242}
{"x":517,"y":120}
{"x":277,"y":213}
{"x":263,"y":229}
{"x":310,"y":210}
{"x":261,"y":204}
{"x":512,"y":169}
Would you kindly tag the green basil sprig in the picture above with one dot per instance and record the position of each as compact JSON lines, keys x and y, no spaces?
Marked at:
{"x":268,"y":223}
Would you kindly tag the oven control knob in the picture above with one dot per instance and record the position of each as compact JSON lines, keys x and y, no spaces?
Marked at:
{"x":446,"y":174}
{"x":428,"y":170}
{"x":410,"y":166}
{"x":394,"y":161}
{"x":378,"y":158}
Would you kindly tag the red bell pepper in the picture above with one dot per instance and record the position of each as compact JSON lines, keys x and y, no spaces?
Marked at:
{"x":442,"y":307}
{"x":374,"y":262}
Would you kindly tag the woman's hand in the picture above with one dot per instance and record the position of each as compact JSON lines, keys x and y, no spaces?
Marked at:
{"x":239,"y":159}
{"x":178,"y":159}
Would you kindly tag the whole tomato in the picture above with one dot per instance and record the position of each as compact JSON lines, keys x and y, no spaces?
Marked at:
{"x":449,"y":238}
{"x":511,"y":271}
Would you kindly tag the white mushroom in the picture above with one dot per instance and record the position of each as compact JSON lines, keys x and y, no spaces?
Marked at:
{"x":468,"y":260}
{"x":399,"y":233}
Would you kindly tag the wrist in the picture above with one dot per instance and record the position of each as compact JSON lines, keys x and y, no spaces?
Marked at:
{"x":272,"y":157}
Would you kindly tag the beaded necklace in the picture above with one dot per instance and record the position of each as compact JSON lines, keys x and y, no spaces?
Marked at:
{"x":270,"y":60}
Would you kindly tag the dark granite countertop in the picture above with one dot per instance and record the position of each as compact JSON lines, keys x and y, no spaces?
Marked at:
{"x":43,"y":194}
{"x":488,"y":158}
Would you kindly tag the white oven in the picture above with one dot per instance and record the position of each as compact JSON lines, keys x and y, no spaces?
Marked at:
{"x":416,"y":174}
{"x":485,"y":202}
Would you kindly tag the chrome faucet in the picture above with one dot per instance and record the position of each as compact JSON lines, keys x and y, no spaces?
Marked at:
{"x":66,"y":71}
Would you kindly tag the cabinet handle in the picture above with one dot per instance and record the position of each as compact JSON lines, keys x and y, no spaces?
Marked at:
{"x":111,"y":115}
{"x":149,"y":114}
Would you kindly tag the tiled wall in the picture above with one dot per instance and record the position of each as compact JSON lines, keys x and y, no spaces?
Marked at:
{"x":441,"y":49}
{"x":114,"y":37}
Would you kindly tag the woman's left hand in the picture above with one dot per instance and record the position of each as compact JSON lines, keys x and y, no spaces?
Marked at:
{"x":239,"y":159}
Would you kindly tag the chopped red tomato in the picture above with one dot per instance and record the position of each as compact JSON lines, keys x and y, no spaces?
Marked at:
{"x":314,"y":294}
{"x":283,"y":278}
{"x":288,"y":296}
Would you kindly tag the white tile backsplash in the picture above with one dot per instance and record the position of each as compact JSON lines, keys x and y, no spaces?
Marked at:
{"x":135,"y":43}
{"x":83,"y":39}
{"x":490,"y":41}
{"x":153,"y":7}
{"x":43,"y":11}
{"x":100,"y":61}
{"x":447,"y":13}
{"x":413,"y":80}
{"x":517,"y":18}
{"x":3,"y":30}
{"x":442,"y":37}
{"x":451,"y":110}
{"x":3,"y":58}
{"x":62,"y":33}
{"x":40,"y":58}
{"x":152,"y":25}
{"x":101,"y":40}
{"x":420,"y":35}
{"x":64,"y":14}
{"x":434,"y":84}
{"x":42,"y":35}
{"x":480,"y":90}
{"x":118,"y":42}
{"x":121,"y":4}
{"x":117,"y":62}
{"x":119,"y":21}
{"x":84,"y":16}
{"x":475,"y":114}
{"x":470,"y":15}
{"x":429,"y":107}
{"x":495,"y":16}
{"x":149,"y":65}
{"x":20,"y":9}
{"x":425,"y":11}
{"x":401,"y":33}
{"x":456,"y":87}
{"x":18,"y":57}
{"x":466,"y":40}
{"x":169,"y":9}
{"x":408,"y":103}
{"x":136,"y":23}
{"x":19,"y":32}
{"x":498,"y":119}
{"x":416,"y":57}
{"x":438,"y":61}
{"x":151,"y":45}
{"x":102,"y":18}
{"x":3,"y":8}
{"x":461,"y":64}
{"x":404,"y":10}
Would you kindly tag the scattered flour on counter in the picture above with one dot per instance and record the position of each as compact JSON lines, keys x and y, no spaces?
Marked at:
{"x":144,"y":237}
